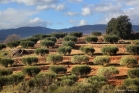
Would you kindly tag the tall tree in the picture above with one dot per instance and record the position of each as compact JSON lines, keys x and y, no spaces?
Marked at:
{"x":120,"y":26}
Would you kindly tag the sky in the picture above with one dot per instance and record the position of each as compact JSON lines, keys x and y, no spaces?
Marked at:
{"x":59,"y":14}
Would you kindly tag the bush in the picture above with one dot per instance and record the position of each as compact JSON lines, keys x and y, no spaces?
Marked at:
{"x":90,"y":39}
{"x":13,"y":44}
{"x":30,"y":60}
{"x":102,"y":60}
{"x":69,"y":43}
{"x":33,"y":39}
{"x":6,"y":61}
{"x":26,"y":44}
{"x":111,"y":39}
{"x":31,"y":71}
{"x":79,"y":58}
{"x":76,"y":34}
{"x":47,"y":43}
{"x":70,"y":38}
{"x":64,"y":50}
{"x":128,"y":61}
{"x":2,"y":46}
{"x":87,"y":50}
{"x":107,"y":72}
{"x":109,"y":50}
{"x":81,"y":70}
{"x":133,"y":73}
{"x":41,"y":51}
{"x":133,"y":49}
{"x":54,"y":58}
{"x":5,"y":72}
{"x":96,"y":33}
{"x":58,"y":69}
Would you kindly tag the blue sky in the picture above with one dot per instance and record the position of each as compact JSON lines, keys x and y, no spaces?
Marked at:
{"x":58,"y":14}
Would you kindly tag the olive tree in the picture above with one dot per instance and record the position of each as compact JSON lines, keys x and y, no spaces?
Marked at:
{"x":6,"y":61}
{"x":13,"y":44}
{"x":54,"y":58}
{"x":31,"y":70}
{"x":26,"y":44}
{"x":102,"y":60}
{"x":128,"y":61}
{"x":96,"y":33}
{"x":64,"y":50}
{"x":70,"y":38}
{"x":5,"y":72}
{"x":90,"y":39}
{"x":41,"y":51}
{"x":79,"y":58}
{"x":30,"y":60}
{"x":133,"y":73}
{"x":87,"y":50}
{"x":109,"y":50}
{"x":2,"y":46}
{"x":69,"y":43}
{"x":76,"y":34}
{"x":58,"y":69}
{"x":47,"y":43}
{"x":133,"y":49}
{"x":107,"y":72}
{"x":81,"y":70}
{"x":111,"y":39}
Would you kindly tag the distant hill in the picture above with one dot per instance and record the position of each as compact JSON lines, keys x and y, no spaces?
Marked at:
{"x":29,"y":31}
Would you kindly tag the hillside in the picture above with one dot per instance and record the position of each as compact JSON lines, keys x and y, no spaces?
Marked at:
{"x":29,"y":31}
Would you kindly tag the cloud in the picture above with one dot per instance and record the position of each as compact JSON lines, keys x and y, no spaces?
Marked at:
{"x":12,"y":18}
{"x":72,"y":13}
{"x":86,"y":11}
{"x":76,"y":1}
{"x":31,"y":2}
{"x":78,"y":23}
{"x":58,"y":7}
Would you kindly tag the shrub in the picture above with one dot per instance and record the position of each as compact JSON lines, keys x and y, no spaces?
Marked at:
{"x":101,"y":60}
{"x":30,"y":60}
{"x":69,"y":43}
{"x":96,"y":33}
{"x":54,"y":58}
{"x":133,"y":73}
{"x":79,"y":58}
{"x":70,"y":38}
{"x":111,"y":39}
{"x":26,"y":44}
{"x":133,"y":49}
{"x":128,"y":61}
{"x":41,"y":51}
{"x":64,"y":50}
{"x":76,"y":34}
{"x":31,"y":71}
{"x":109,"y":50}
{"x":13,"y":44}
{"x":107,"y":72}
{"x":58,"y":69}
{"x":47,"y":43}
{"x":6,"y":61}
{"x":33,"y":39}
{"x":2,"y":46}
{"x":81,"y":70}
{"x":90,"y":39}
{"x":5,"y":72}
{"x":87,"y":50}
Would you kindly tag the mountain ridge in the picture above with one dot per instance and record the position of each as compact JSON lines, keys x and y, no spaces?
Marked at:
{"x":29,"y":31}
